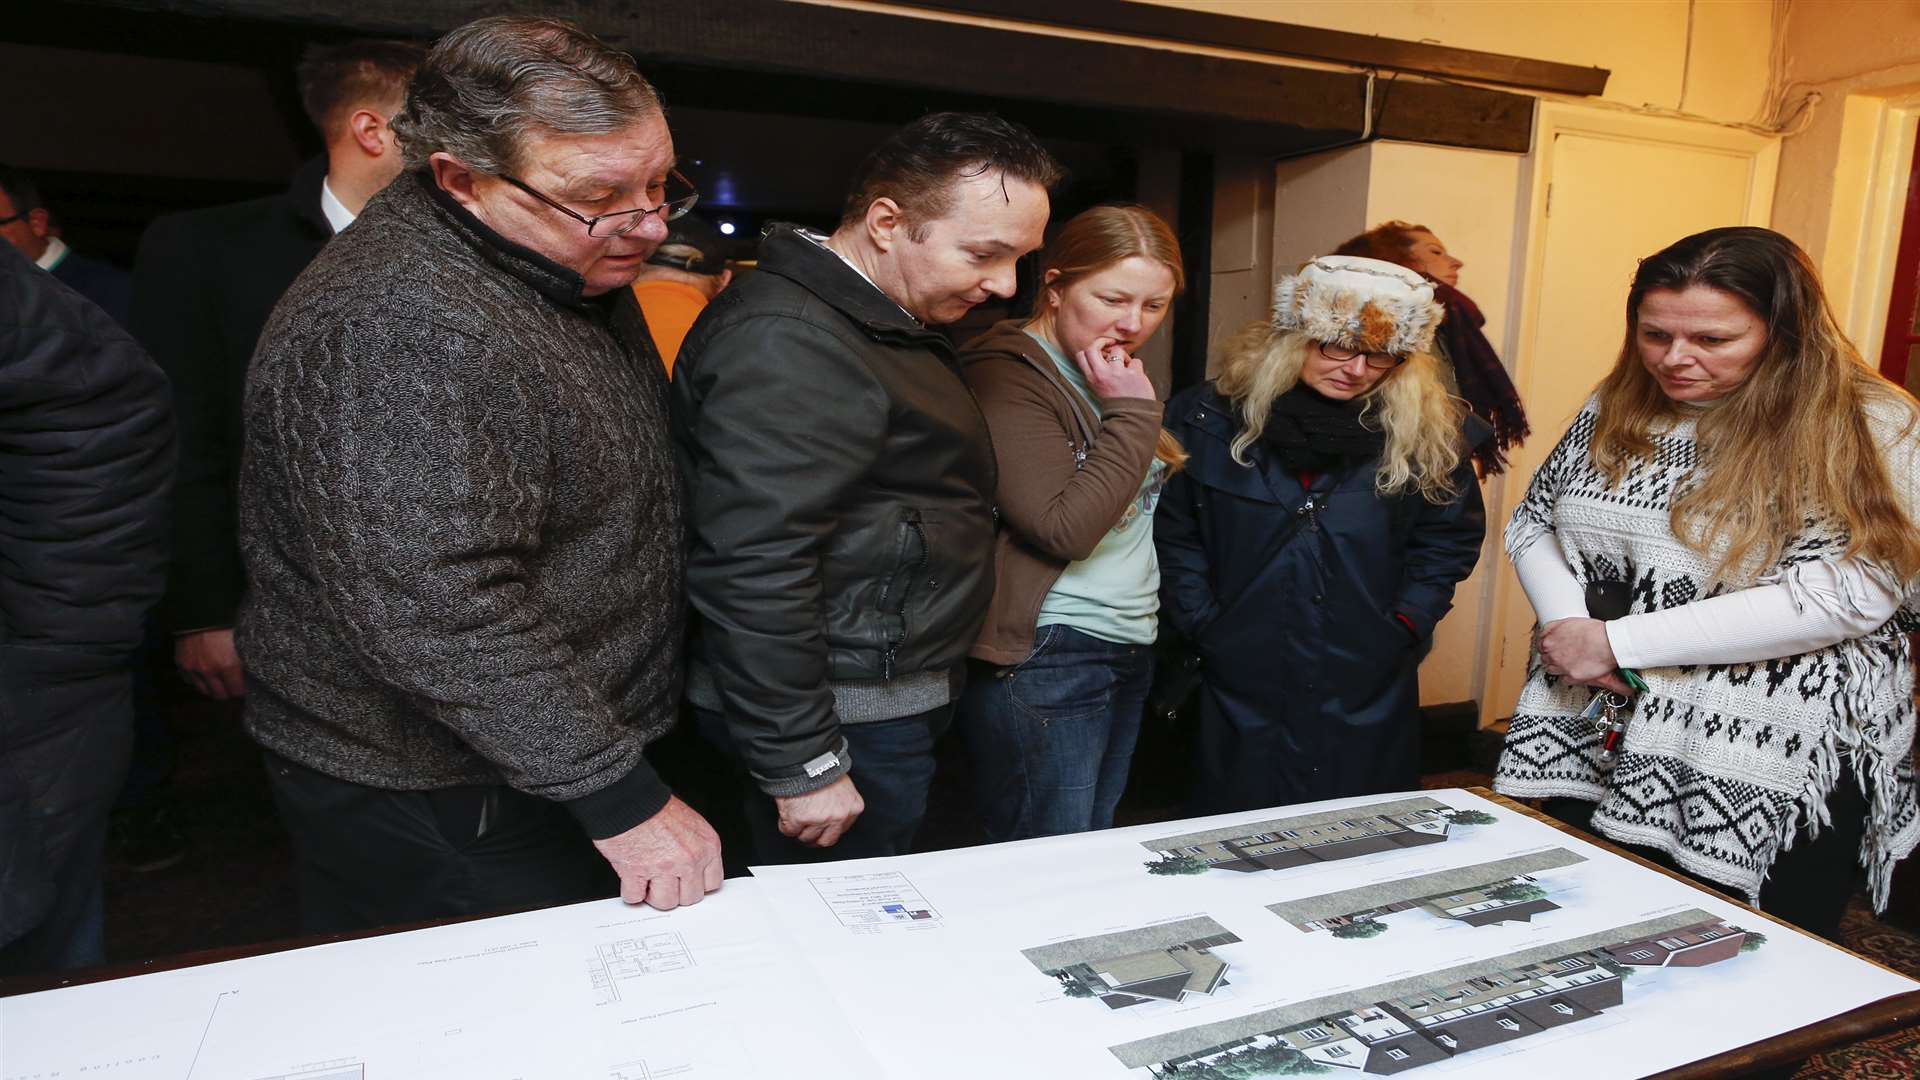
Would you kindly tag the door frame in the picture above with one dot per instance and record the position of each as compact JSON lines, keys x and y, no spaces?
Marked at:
{"x":1874,"y":161}
{"x":1503,"y":659}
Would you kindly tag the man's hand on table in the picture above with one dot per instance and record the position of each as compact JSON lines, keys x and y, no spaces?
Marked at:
{"x":667,"y":861}
{"x":820,"y":818}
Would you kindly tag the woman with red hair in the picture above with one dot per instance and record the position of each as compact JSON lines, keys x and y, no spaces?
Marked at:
{"x":1478,"y":375}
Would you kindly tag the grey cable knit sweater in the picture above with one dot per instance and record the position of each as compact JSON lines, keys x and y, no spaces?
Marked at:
{"x":461,"y":520}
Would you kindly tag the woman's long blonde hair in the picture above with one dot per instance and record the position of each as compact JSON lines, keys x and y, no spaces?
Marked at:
{"x":1793,"y":440}
{"x":1096,"y":239}
{"x":1411,"y":405}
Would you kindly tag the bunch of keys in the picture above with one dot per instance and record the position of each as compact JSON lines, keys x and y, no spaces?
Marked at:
{"x":1609,"y":709}
{"x":1606,"y":601}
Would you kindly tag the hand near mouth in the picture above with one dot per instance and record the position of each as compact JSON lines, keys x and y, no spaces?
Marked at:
{"x":1112,"y":373}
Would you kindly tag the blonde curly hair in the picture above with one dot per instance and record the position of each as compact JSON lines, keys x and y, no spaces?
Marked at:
{"x":1410,"y":404}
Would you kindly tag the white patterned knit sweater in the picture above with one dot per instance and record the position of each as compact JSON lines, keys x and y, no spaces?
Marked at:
{"x":1722,"y":764}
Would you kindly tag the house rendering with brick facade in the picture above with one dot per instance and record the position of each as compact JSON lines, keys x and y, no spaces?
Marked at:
{"x":1391,"y":1028}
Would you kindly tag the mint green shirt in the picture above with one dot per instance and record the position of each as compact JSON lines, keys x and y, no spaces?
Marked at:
{"x":1114,"y":593}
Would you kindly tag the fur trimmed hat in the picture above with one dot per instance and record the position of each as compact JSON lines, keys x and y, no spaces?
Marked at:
{"x":1358,"y":303}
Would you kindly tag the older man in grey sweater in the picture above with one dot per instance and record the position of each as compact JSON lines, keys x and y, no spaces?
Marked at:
{"x":459,"y":511}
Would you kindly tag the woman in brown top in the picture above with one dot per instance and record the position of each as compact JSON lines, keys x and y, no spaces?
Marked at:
{"x":1055,"y":698}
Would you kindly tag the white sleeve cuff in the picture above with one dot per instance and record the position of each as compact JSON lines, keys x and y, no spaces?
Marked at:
{"x":1805,"y":607}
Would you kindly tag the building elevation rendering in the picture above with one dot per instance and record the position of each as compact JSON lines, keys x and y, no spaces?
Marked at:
{"x":1481,"y":894}
{"x":1390,"y":1028}
{"x":1166,"y":962}
{"x":1311,"y":838}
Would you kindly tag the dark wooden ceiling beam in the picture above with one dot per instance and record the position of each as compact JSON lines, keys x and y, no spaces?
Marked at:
{"x":1179,"y":99}
{"x":1159,"y":22}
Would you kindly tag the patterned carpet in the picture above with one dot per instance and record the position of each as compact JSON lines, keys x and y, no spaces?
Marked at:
{"x":1891,"y":1056}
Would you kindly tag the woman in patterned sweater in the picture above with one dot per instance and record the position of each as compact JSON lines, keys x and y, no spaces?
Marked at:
{"x":1752,"y":484}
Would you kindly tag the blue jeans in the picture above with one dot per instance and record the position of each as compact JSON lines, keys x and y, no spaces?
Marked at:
{"x":892,"y":769}
{"x":1050,"y":738}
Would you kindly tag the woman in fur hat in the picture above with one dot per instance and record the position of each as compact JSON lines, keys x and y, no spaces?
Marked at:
{"x":1327,"y":511}
{"x":1467,"y":356}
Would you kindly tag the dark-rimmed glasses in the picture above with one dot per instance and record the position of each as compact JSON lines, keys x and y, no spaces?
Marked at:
{"x":620,"y":222}
{"x":1378,"y":361}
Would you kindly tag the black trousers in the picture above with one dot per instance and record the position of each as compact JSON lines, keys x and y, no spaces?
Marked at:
{"x":61,"y":763}
{"x":367,"y":857}
{"x":1809,"y":885}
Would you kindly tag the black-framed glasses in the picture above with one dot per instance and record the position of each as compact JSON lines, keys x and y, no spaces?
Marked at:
{"x":621,"y":222}
{"x":17,"y":217}
{"x":1378,"y":361}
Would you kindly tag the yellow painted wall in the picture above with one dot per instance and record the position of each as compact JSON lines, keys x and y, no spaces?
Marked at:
{"x":1860,"y":55}
{"x":1708,"y":57}
{"x":1645,"y":43}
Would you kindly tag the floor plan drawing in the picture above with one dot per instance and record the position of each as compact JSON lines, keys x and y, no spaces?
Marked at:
{"x":1480,"y":894}
{"x":630,"y":958}
{"x":1166,"y":962}
{"x":703,"y":992}
{"x":1390,"y":1028}
{"x":1287,"y":842}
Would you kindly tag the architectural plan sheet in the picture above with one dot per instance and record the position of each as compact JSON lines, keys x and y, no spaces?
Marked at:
{"x":1435,"y":933}
{"x":598,"y":991}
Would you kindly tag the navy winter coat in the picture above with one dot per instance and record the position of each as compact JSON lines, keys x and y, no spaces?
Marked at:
{"x":1309,"y":681}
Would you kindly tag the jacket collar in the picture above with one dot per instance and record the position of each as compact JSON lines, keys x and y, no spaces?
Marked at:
{"x":783,"y":251}
{"x":1010,"y":338}
{"x":303,"y":195}
{"x":552,"y":280}
{"x":1213,"y":414}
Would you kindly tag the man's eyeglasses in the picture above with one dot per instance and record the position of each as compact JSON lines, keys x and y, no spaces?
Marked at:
{"x":1378,"y":361}
{"x":622,"y":222}
{"x":16,"y":217}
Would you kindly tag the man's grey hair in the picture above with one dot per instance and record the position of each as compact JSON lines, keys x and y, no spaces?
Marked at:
{"x":488,"y":86}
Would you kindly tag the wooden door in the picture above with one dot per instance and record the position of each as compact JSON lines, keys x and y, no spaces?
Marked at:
{"x":1615,"y":196}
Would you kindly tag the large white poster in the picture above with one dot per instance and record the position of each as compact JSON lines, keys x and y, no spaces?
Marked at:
{"x":1436,"y":932}
{"x":598,"y":991}
{"x":1433,"y":933}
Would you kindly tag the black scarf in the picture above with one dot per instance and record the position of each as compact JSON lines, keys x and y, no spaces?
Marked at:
{"x":1314,"y":434}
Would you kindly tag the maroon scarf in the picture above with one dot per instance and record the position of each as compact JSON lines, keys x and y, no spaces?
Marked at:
{"x":1482,"y":378}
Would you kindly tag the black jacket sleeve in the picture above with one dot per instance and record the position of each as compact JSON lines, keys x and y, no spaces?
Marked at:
{"x":764,"y":475}
{"x":86,"y":461}
{"x":175,"y":316}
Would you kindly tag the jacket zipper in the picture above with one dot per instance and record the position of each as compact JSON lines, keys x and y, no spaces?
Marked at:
{"x":1311,"y":510}
{"x":920,"y":568}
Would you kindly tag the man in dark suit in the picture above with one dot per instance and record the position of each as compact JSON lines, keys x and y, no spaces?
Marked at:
{"x":205,"y":282}
{"x":26,"y":224}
